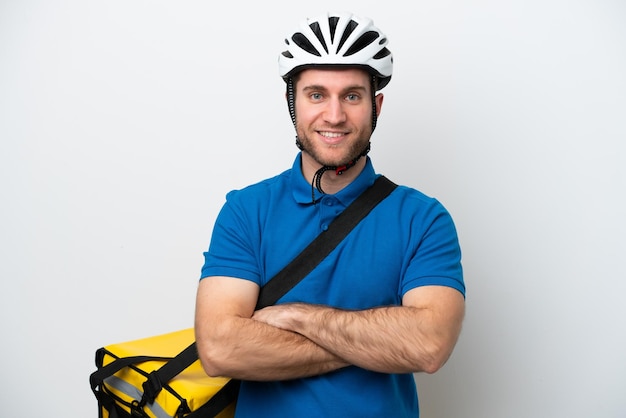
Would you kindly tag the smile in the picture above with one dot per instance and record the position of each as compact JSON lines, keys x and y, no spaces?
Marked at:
{"x":331,"y":134}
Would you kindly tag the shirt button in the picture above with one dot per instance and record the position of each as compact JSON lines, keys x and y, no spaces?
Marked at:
{"x":324,"y":227}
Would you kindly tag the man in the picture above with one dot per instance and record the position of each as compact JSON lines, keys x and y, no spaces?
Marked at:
{"x":387,"y":302}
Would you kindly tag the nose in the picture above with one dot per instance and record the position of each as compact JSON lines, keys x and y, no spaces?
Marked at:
{"x":334,"y":113}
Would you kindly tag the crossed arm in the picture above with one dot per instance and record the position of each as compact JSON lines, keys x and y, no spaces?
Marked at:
{"x":298,"y":340}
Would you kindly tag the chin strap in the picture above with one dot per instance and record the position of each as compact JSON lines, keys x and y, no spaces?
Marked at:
{"x":316,"y":183}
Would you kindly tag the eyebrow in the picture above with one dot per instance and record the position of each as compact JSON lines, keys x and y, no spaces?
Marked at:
{"x":357,"y":87}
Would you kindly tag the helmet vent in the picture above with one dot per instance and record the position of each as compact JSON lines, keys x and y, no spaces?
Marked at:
{"x":363,"y":41}
{"x":350,"y":27}
{"x":305,"y":44}
{"x":332,"y":22}
{"x":315,"y":27}
{"x":382,"y":54}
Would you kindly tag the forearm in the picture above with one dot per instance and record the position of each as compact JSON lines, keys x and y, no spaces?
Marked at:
{"x":387,"y":339}
{"x":246,"y":349}
{"x":397,"y":339}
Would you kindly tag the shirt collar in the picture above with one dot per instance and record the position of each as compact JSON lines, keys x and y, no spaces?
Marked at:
{"x":302,"y":188}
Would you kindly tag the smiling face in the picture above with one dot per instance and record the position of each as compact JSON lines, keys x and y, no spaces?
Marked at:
{"x":334,"y":114}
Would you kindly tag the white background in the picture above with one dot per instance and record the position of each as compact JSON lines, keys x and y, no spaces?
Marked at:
{"x":124,"y":123}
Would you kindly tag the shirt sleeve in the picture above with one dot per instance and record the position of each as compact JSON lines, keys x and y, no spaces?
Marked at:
{"x":436,"y":257}
{"x":232,"y":252}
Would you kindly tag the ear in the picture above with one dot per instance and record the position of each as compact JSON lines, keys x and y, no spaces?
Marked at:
{"x":379,"y":103}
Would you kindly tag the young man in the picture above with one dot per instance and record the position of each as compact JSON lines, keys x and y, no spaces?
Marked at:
{"x":387,"y":302}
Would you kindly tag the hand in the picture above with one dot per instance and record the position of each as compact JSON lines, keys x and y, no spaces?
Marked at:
{"x":285,"y":316}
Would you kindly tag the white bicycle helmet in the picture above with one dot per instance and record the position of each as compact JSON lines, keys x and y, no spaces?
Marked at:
{"x":337,"y":39}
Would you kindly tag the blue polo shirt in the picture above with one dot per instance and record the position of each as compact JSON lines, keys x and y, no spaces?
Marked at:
{"x":408,"y":240}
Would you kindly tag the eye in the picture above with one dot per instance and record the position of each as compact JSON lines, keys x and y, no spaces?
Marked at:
{"x":316,"y":96}
{"x":352,"y":97}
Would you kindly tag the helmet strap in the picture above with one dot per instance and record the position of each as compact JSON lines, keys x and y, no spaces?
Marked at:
{"x":374,"y":111}
{"x":316,"y":183}
{"x":291,"y":98}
